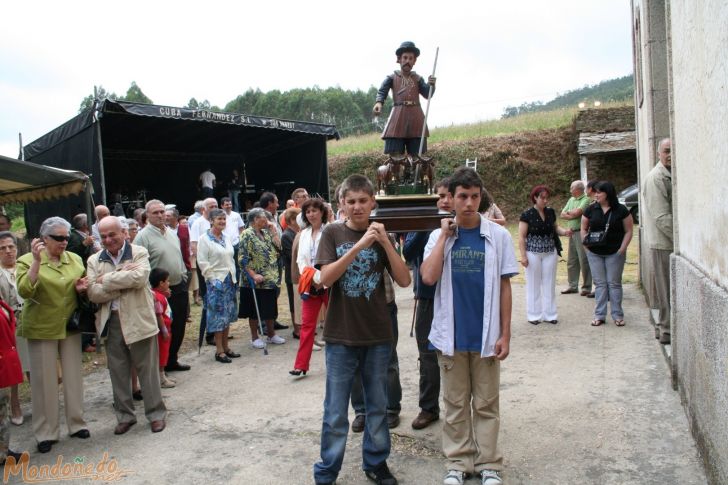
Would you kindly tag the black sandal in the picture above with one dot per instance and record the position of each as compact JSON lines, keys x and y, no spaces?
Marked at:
{"x":231,"y":354}
{"x":222,"y":358}
{"x":297,"y":372}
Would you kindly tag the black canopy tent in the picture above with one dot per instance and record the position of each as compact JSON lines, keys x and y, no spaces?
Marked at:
{"x":27,"y":182}
{"x":127,"y":148}
{"x":31,"y":183}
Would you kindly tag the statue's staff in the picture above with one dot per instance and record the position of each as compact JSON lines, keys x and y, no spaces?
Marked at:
{"x":427,"y":110}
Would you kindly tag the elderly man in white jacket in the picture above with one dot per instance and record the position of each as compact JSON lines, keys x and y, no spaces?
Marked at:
{"x":472,"y":260}
{"x":118,"y":280}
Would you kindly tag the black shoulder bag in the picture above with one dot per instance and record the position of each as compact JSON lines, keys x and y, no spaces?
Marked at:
{"x":83,"y":318}
{"x":597,"y":238}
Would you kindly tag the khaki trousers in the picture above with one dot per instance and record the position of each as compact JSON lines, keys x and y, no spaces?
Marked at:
{"x":144,"y":356}
{"x":661,"y":261}
{"x":470,"y":388}
{"x":44,"y":385}
{"x":577,"y":263}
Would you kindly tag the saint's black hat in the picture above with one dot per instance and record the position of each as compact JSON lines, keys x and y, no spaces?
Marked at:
{"x":408,"y":46}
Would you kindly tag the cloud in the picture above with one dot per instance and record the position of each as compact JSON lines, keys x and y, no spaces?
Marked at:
{"x":492,"y":54}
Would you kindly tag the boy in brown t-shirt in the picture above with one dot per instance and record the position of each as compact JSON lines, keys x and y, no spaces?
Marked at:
{"x":358,"y":332}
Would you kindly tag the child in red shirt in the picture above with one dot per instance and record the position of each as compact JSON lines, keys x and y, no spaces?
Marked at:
{"x":159,"y":280}
{"x":11,"y":374}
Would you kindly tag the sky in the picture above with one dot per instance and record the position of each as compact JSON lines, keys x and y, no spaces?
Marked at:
{"x":491,"y":54}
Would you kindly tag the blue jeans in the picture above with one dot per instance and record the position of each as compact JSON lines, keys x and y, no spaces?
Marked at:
{"x":342,"y":363}
{"x":235,"y":198}
{"x":394,"y":388}
{"x":607,"y":277}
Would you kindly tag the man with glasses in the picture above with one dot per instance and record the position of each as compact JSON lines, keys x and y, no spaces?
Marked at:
{"x":165,"y":252}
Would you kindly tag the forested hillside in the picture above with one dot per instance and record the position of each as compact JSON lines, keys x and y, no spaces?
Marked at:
{"x":612,"y":90}
{"x":351,"y":110}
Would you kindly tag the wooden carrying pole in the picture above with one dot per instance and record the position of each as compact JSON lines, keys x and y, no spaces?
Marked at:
{"x":427,"y":110}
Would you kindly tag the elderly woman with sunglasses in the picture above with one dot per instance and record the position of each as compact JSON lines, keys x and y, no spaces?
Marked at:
{"x":49,"y":279}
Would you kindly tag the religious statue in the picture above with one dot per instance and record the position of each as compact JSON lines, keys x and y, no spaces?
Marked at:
{"x":406,"y":126}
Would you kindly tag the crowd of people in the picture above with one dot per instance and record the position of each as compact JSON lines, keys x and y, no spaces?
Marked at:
{"x":338,"y":270}
{"x":137,"y":272}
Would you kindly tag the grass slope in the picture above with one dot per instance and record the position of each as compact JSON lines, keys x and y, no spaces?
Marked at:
{"x":514,"y":154}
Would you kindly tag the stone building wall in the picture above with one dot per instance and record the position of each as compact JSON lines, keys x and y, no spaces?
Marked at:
{"x":618,"y":168}
{"x":691,"y":104}
{"x":605,"y":120}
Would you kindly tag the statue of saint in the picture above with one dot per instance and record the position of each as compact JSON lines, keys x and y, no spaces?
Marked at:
{"x":404,"y":126}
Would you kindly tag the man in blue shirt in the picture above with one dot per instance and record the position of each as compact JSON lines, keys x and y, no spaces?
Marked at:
{"x":471,"y":259}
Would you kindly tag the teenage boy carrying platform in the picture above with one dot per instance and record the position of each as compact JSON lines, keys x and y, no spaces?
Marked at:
{"x":352,"y":256}
{"x":472,"y":260}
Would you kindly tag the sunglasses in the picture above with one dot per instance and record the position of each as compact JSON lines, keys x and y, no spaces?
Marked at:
{"x":59,"y":238}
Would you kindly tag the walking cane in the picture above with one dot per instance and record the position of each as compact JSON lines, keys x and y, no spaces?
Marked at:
{"x":257,"y":311}
{"x":414,"y":313}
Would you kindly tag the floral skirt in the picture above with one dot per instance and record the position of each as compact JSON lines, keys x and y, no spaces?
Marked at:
{"x":221,"y":305}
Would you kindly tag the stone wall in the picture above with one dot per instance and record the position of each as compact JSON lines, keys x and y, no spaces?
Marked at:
{"x":618,"y":168}
{"x":699,"y":342}
{"x":605,"y":120}
{"x":700,"y":276}
{"x":683,"y":63}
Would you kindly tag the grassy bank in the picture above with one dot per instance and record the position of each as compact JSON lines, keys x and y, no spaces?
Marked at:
{"x":542,"y":120}
{"x":527,"y":122}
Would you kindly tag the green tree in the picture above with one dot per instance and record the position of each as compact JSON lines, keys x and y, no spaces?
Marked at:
{"x":351,"y":111}
{"x":135,"y":95}
{"x":244,"y":103}
{"x":101,"y":93}
{"x":194,"y":104}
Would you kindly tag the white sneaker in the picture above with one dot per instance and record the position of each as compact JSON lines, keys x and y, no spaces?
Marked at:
{"x":257,"y":344}
{"x":316,"y":348}
{"x":276,"y":339}
{"x":490,"y":477}
{"x":454,"y":477}
{"x":164,"y":382}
